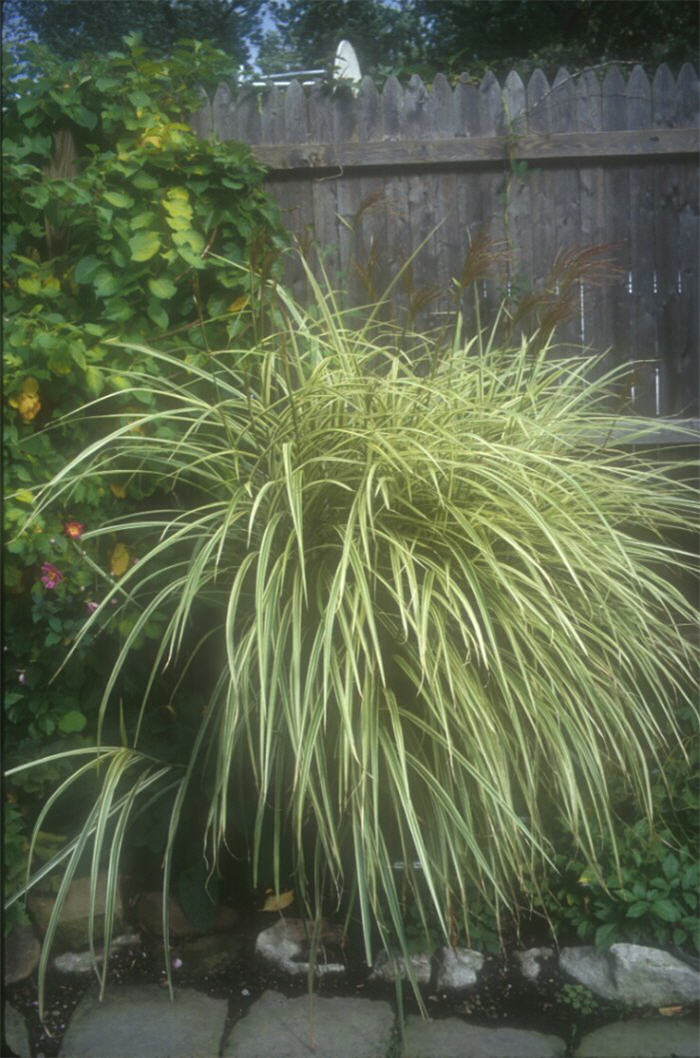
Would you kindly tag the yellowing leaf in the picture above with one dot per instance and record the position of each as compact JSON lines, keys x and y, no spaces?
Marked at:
{"x":29,"y":286}
{"x":277,"y":903}
{"x":118,"y":490}
{"x":144,"y":245}
{"x":239,"y":303}
{"x":24,"y":496}
{"x":27,"y":401}
{"x":119,"y":562}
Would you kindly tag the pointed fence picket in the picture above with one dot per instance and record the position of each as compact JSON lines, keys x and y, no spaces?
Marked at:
{"x":603,"y":157}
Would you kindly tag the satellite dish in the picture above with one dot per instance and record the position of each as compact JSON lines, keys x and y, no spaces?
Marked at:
{"x":346,"y":67}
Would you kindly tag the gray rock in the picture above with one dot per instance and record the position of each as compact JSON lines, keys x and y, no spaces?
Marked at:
{"x":653,"y":977}
{"x":15,"y":1029}
{"x":452,"y":1038}
{"x":21,"y":951}
{"x":388,"y":968}
{"x":72,"y":932}
{"x":458,"y":968}
{"x":633,"y":974}
{"x":310,"y":1027}
{"x":530,"y":961}
{"x":140,"y":1021}
{"x":589,"y":967}
{"x":80,"y":962}
{"x":642,"y":1038}
{"x":286,"y":946}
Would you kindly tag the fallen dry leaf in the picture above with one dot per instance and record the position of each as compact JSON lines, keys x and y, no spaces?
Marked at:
{"x":277,"y":903}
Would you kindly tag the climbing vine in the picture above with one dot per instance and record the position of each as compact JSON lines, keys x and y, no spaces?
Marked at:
{"x":120,"y":224}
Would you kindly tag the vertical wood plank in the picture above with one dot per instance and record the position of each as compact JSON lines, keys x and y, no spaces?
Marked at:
{"x":320,"y":115}
{"x":221,"y":112}
{"x":614,"y":105}
{"x":589,"y":118}
{"x":566,"y":203}
{"x":539,"y":119}
{"x":469,"y":193}
{"x":493,"y":189}
{"x":667,"y":205}
{"x":518,"y":189}
{"x":248,"y":116}
{"x":371,"y":220}
{"x":684,"y":366}
{"x":642,"y":297}
{"x":419,"y":275}
{"x":202,"y":121}
{"x":449,"y":239}
{"x":395,"y":187}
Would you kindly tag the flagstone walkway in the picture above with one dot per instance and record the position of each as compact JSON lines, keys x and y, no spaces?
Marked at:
{"x":141,"y":1022}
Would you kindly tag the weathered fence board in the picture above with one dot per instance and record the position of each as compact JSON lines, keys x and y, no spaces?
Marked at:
{"x":599,"y":158}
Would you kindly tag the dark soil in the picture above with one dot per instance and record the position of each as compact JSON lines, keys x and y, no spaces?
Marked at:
{"x":503,"y":997}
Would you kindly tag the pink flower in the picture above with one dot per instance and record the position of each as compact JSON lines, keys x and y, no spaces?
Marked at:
{"x":92,"y":606}
{"x":74,"y":530}
{"x":51,"y":577}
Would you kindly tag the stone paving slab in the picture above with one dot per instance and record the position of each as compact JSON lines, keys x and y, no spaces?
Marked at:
{"x":15,"y":1031}
{"x":452,"y":1038}
{"x":277,"y":1027}
{"x":643,"y":1038}
{"x":140,"y":1021}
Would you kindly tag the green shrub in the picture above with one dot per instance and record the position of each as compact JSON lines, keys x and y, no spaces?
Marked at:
{"x":645,"y":888}
{"x":433,"y":606}
{"x":116,"y":217}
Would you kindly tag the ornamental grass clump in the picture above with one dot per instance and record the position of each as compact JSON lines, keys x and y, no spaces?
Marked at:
{"x":444,"y":609}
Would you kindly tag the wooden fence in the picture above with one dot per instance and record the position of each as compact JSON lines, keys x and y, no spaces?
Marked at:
{"x":547,"y":169}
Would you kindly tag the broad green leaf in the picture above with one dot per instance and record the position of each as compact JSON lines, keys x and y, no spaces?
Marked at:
{"x":72,"y":721}
{"x":77,"y":351}
{"x":158,"y":314}
{"x":138,"y":98}
{"x":192,"y":258}
{"x":162,"y":287}
{"x":142,"y":220}
{"x":190,"y":238}
{"x":30,"y":286}
{"x":636,"y":910}
{"x":94,"y":380}
{"x":119,"y":199}
{"x":87,"y":268}
{"x":144,"y":245}
{"x":105,"y":284}
{"x":145,"y":182}
{"x":84,"y":117}
{"x":117,"y":309}
{"x":667,"y":910}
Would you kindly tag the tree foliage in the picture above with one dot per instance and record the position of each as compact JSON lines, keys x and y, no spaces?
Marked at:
{"x":428,"y":36}
{"x":71,"y":29}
